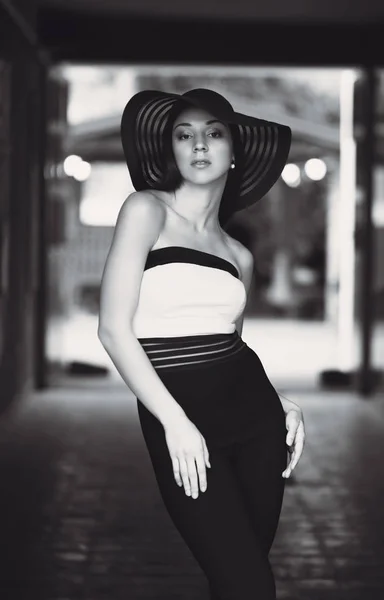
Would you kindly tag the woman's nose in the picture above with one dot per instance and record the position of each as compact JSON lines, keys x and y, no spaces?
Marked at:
{"x":200,"y":144}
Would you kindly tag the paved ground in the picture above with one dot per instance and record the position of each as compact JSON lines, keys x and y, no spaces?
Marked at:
{"x":81,"y":517}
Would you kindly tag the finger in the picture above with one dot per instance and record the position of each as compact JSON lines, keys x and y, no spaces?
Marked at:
{"x":297,"y":451}
{"x":176,"y":470}
{"x":299,"y":441}
{"x":290,"y":436}
{"x":296,"y":455}
{"x":300,"y":437}
{"x":292,"y":463}
{"x":192,"y":472}
{"x":292,"y":427}
{"x":296,"y":432}
{"x":206,"y":454}
{"x":287,"y":472}
{"x":291,"y":448}
{"x":289,"y":467}
{"x":201,"y":471}
{"x":185,"y":475}
{"x":301,"y":428}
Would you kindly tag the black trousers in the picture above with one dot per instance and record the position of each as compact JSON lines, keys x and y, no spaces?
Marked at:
{"x":231,"y":526}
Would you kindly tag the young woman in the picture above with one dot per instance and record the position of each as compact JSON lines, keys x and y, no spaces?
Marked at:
{"x":173,"y":294}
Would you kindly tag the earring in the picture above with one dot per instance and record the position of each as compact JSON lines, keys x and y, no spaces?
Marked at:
{"x":232,"y":164}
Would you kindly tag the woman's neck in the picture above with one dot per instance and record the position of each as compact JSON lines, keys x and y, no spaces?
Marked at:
{"x":199,"y":206}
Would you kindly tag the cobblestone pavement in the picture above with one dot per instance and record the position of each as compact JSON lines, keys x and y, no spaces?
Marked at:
{"x":81,"y":517}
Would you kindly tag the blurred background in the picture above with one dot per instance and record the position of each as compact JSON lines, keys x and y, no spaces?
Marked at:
{"x":81,"y":517}
{"x":303,"y":311}
{"x":314,"y":313}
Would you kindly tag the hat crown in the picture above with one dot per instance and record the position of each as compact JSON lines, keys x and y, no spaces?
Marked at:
{"x":214,"y":102}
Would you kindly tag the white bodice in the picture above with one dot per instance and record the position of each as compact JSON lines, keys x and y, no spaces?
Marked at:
{"x":188,"y":292}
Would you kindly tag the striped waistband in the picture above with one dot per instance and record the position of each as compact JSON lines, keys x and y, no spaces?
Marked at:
{"x":167,"y":353}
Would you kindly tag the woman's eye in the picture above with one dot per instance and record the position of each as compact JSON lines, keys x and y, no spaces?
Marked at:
{"x":215,"y":134}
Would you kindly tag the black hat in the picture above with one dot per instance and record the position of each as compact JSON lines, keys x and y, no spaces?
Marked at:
{"x":264,"y":145}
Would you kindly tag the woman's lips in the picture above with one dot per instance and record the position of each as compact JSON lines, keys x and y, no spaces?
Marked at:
{"x":201,"y":163}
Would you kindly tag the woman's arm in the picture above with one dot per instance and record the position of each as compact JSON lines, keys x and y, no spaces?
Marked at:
{"x":138,"y":226}
{"x":295,"y":439}
{"x":246,"y":267}
{"x":288,"y":404}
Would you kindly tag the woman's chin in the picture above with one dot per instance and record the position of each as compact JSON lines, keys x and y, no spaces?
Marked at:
{"x":204,"y":177}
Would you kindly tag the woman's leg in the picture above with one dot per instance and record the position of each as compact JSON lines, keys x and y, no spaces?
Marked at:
{"x":259,"y":464}
{"x":219,"y":526}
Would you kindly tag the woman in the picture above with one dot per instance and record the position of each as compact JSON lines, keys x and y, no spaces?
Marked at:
{"x":173,"y":294}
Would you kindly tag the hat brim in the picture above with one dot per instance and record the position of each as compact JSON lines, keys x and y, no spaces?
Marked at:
{"x":265,"y":144}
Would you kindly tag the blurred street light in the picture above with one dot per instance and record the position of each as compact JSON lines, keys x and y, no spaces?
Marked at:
{"x":291,"y":175}
{"x":315,"y":169}
{"x":75,"y":166}
{"x":70,"y":164}
{"x":82,"y":171}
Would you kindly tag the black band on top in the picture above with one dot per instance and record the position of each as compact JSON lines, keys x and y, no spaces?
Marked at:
{"x":180,"y":254}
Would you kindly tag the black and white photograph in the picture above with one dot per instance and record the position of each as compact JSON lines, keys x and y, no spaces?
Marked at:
{"x":191,"y":300}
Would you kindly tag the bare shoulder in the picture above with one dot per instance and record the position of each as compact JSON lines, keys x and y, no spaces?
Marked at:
{"x":141,"y":219}
{"x":142,"y":205}
{"x":138,"y":226}
{"x":243,"y":256}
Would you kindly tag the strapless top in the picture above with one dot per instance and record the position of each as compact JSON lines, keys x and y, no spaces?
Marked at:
{"x":185,"y":291}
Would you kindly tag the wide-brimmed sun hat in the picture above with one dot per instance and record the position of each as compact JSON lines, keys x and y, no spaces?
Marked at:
{"x":264,"y":145}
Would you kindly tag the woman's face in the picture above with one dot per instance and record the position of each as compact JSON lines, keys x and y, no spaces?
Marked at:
{"x":202,"y":146}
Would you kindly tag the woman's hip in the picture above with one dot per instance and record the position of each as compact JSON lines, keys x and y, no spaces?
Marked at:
{"x":228,"y":398}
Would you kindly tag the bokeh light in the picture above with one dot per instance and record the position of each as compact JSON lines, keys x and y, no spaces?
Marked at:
{"x":291,"y":175}
{"x":315,"y":169}
{"x":75,"y":166}
{"x":70,"y":164}
{"x":82,"y":171}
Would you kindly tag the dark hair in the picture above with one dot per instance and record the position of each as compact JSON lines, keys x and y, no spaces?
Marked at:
{"x":232,"y":185}
{"x":173,"y":180}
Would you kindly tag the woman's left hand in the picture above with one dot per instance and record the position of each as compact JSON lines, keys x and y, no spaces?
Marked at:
{"x":295,"y":437}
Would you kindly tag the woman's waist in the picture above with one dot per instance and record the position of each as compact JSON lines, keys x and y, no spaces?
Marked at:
{"x":182,"y":326}
{"x":175,"y":352}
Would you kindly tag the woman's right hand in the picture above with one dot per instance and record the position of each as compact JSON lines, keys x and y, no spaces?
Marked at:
{"x":189,"y":455}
